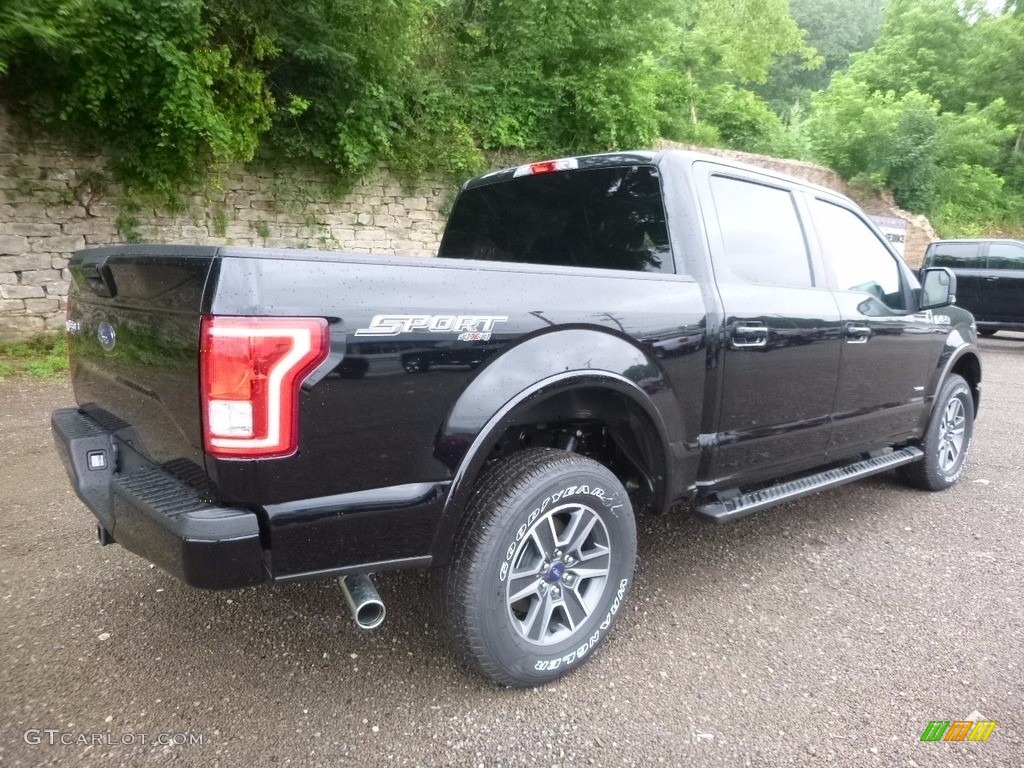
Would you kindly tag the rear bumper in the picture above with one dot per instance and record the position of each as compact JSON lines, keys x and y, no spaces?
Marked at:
{"x":152,"y":513}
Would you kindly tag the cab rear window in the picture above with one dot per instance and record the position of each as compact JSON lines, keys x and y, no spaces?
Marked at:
{"x":957,"y":256}
{"x":608,"y":218}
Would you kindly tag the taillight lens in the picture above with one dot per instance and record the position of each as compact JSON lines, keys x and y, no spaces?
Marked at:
{"x":251,"y":369}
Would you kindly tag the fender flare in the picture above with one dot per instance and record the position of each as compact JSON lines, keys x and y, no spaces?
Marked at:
{"x":956,"y":349}
{"x":490,"y":404}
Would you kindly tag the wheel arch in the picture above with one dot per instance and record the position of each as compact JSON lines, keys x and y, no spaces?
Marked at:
{"x":635,"y":423}
{"x":965,"y":362}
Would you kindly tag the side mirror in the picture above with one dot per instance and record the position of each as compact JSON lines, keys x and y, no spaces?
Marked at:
{"x":938,"y":288}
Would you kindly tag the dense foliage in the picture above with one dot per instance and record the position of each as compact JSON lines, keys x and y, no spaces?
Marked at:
{"x":934,"y":111}
{"x":169,"y":85}
{"x":920,"y":96}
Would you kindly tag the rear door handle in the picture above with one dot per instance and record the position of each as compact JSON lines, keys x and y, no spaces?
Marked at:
{"x":991,"y":278}
{"x":749,"y":335}
{"x":856,"y":334}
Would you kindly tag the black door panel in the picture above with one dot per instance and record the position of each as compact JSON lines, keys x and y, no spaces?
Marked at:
{"x":781,"y":359}
{"x":780,"y":346}
{"x":888,"y":352}
{"x":1003,"y":284}
{"x":967,"y":261}
{"x":883,"y":378}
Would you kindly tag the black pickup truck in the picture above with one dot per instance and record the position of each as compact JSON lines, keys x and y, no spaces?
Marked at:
{"x":990,"y":280}
{"x":600,"y":337}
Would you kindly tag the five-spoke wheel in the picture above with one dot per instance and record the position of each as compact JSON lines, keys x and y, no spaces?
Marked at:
{"x":542,"y":562}
{"x":947,"y":439}
{"x":558,"y":574}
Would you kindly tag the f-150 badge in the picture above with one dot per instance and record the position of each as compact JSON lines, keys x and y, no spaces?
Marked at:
{"x":469,"y":327}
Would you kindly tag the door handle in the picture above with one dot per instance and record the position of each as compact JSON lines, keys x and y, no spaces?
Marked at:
{"x":856,"y":334}
{"x":749,"y":335}
{"x":991,"y":278}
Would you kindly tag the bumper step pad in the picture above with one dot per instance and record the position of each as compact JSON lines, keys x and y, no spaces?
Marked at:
{"x":153,"y":513}
{"x":165,"y":521}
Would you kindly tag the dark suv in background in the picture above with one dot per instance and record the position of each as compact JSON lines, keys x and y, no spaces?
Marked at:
{"x":989,"y":280}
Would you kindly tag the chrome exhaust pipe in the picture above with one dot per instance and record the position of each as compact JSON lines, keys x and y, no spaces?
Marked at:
{"x":363,"y":600}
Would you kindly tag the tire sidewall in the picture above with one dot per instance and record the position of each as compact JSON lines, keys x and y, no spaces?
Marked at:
{"x":599,"y":490}
{"x":955,"y":388}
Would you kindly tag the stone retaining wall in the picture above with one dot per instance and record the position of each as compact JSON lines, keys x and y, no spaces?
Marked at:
{"x":53,"y":201}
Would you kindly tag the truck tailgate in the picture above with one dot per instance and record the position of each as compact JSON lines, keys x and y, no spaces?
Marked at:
{"x":133,"y":321}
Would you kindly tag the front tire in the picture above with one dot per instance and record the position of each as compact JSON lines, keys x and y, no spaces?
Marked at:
{"x":947,"y":441}
{"x":542,"y":563}
{"x":987,"y":331}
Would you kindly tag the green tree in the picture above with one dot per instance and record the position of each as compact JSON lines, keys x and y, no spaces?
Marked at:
{"x":925,"y":46}
{"x":26,"y":25}
{"x":559,"y":75}
{"x":941,"y":164}
{"x":144,"y":78}
{"x":348,"y":78}
{"x":836,"y":29}
{"x":878,"y":139}
{"x":720,"y":50}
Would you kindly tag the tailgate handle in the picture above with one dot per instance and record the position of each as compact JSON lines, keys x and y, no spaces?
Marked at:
{"x":100,"y":280}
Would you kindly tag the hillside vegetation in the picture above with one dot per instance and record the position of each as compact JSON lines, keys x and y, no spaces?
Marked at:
{"x":920,"y":96}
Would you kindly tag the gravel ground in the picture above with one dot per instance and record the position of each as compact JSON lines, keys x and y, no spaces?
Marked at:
{"x":828,"y":631}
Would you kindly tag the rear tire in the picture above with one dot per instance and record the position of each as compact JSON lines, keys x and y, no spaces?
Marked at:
{"x":947,"y":441}
{"x":541,"y":565}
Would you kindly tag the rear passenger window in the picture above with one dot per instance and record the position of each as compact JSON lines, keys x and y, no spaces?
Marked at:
{"x":1006,"y":256}
{"x":764,"y":242}
{"x":859,"y":259}
{"x":956,"y":256}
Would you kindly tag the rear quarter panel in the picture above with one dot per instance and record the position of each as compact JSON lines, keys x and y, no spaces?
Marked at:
{"x":370,"y":420}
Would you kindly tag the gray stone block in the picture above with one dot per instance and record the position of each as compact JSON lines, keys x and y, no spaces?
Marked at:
{"x":10,"y":244}
{"x":39,"y":276}
{"x":19,"y":327}
{"x":41,"y":306}
{"x":44,"y":228}
{"x":21,"y":292}
{"x":24,"y":261}
{"x":58,"y":244}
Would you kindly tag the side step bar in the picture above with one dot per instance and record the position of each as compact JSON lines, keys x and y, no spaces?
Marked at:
{"x":732,"y":509}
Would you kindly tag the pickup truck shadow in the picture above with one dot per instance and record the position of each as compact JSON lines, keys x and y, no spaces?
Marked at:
{"x":303,"y":635}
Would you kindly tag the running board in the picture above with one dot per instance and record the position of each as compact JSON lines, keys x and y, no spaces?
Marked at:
{"x":732,"y":509}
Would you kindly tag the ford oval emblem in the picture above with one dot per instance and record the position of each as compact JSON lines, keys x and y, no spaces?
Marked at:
{"x":105,"y":333}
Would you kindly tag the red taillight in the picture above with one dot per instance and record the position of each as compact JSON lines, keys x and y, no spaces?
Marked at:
{"x":251,"y":369}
